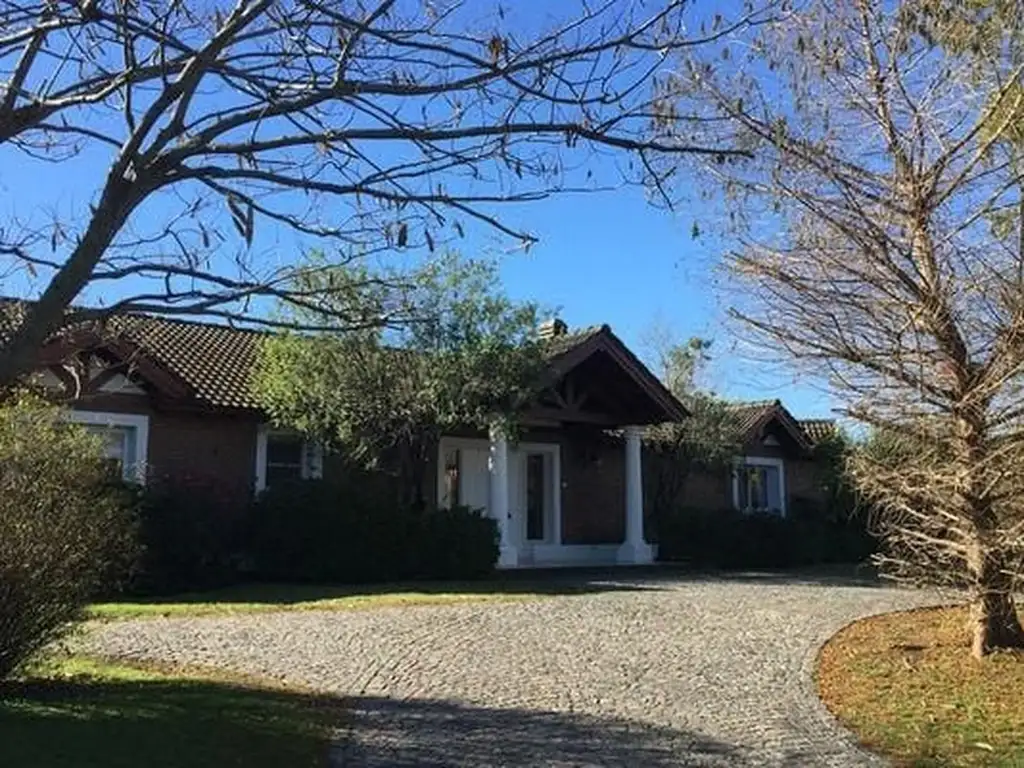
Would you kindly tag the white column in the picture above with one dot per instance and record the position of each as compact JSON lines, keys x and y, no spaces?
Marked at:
{"x":634,"y":549}
{"x":498,"y":497}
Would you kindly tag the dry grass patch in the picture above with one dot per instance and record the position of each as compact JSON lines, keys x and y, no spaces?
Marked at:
{"x":907,"y":686}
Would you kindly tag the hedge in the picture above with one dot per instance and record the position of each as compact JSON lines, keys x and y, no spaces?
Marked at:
{"x":728,"y":538}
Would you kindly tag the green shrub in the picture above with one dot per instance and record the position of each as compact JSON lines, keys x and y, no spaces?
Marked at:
{"x":66,"y":529}
{"x":457,"y":543}
{"x":353,"y":529}
{"x":191,"y":535}
{"x":728,"y":538}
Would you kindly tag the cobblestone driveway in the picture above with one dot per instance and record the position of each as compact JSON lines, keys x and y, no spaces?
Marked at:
{"x":658,"y":672}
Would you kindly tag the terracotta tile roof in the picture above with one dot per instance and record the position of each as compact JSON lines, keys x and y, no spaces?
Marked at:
{"x":751,"y":414}
{"x":818,"y":429}
{"x":748,"y":414}
{"x":215,"y":361}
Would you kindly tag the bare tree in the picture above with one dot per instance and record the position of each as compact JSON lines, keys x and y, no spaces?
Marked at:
{"x":375,"y":126}
{"x":881,"y":244}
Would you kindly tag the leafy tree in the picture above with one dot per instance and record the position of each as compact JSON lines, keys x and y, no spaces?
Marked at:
{"x":66,"y":531}
{"x":879,"y":244}
{"x":384,"y":397}
{"x":374,"y":125}
{"x":706,"y":440}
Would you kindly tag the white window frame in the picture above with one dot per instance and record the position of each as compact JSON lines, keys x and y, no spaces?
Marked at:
{"x":759,"y":461}
{"x":133,"y":471}
{"x":312,"y":456}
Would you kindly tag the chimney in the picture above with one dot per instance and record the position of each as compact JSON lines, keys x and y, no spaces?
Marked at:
{"x":552,"y":328}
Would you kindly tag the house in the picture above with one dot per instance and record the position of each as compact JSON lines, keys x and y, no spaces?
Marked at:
{"x":775,"y":468}
{"x":172,"y":400}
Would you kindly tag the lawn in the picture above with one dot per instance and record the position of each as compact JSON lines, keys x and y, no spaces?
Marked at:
{"x":906,"y":685}
{"x":87,"y":713}
{"x":253,"y":598}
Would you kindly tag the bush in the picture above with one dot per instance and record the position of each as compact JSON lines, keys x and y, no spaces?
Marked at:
{"x":66,"y":528}
{"x":354,"y":530}
{"x":458,"y":543}
{"x":728,"y":538}
{"x":192,"y":537}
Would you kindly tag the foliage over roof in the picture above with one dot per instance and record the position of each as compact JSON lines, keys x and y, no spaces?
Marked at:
{"x":215,"y":361}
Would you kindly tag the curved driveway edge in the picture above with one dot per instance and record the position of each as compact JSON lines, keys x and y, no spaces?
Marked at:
{"x":653,"y":672}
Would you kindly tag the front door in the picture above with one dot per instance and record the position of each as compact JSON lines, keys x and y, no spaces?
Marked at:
{"x":532,"y":495}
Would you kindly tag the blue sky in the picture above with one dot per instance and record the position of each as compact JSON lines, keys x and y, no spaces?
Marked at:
{"x":606,"y":257}
{"x":602,"y":257}
{"x":611,"y":257}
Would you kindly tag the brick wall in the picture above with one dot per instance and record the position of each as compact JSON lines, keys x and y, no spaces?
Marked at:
{"x":209,"y":448}
{"x":707,"y":489}
{"x":593,"y":489}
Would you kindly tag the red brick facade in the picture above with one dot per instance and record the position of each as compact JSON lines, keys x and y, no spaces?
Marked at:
{"x":593,"y":490}
{"x":219,"y":448}
{"x":203,"y":426}
{"x":215,"y":448}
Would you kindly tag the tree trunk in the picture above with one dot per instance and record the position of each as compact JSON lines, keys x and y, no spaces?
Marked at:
{"x":994,"y":621}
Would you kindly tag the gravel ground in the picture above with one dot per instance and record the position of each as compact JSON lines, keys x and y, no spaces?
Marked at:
{"x":654,"y":672}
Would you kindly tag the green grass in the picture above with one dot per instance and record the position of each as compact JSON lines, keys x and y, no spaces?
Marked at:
{"x":91,"y":714}
{"x":907,"y":686}
{"x":254,"y":598}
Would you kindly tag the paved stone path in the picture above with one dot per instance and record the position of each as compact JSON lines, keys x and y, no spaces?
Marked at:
{"x":656,"y":672}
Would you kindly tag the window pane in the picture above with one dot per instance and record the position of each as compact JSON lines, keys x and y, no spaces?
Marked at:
{"x":535,"y":496}
{"x":118,"y":447}
{"x":759,"y":490}
{"x":284,"y":449}
{"x":743,"y":486}
{"x":114,"y":440}
{"x":279,"y":474}
{"x":773,"y":489}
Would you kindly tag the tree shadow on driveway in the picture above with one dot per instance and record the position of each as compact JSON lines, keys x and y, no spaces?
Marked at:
{"x":424,"y":732}
{"x":852,"y":575}
{"x":666,"y":575}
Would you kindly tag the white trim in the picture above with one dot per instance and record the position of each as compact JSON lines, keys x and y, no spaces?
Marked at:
{"x":554,"y":536}
{"x":498,"y":496}
{"x":759,"y":461}
{"x":119,"y":384}
{"x":634,"y":549}
{"x":514,"y":530}
{"x":567,"y":555}
{"x":312,"y":456}
{"x":312,"y":460}
{"x":135,"y":470}
{"x":446,"y":444}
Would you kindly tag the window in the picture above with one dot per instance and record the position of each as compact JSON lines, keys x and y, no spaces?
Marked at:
{"x":535,"y":492}
{"x":759,"y":485}
{"x":118,"y":446}
{"x":284,"y":457}
{"x":452,"y":466}
{"x":125,"y":438}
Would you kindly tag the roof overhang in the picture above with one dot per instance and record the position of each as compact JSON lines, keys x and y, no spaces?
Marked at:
{"x":661,"y":405}
{"x":125,"y":352}
{"x":779,"y":414}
